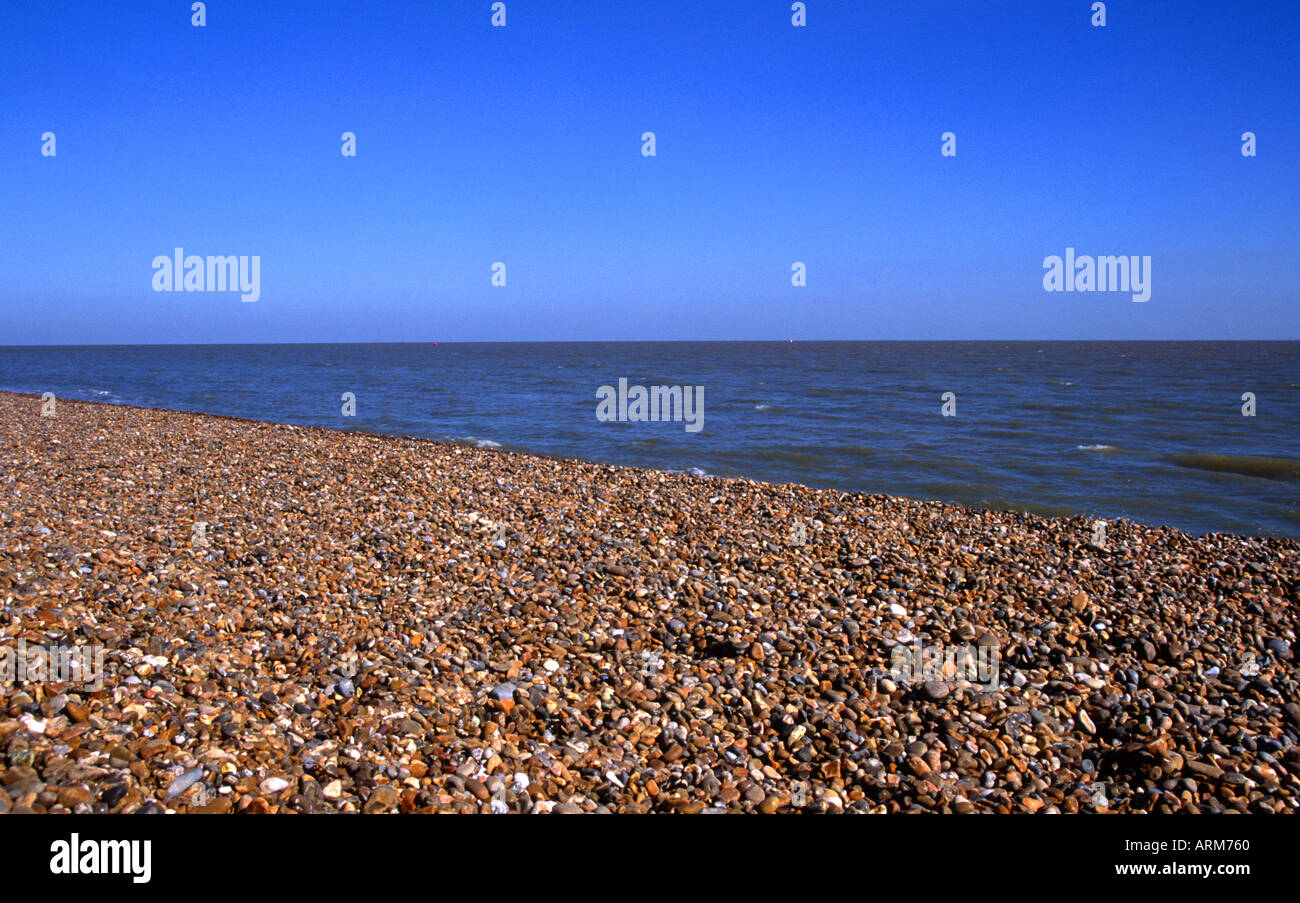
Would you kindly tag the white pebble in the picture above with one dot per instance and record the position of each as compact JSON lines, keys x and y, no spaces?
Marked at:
{"x":274,"y":785}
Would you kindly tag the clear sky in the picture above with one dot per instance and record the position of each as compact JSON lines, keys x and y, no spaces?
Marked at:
{"x":522,"y":144}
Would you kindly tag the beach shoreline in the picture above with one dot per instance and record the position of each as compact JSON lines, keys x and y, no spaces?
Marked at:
{"x":383,"y":623}
{"x":1030,"y":509}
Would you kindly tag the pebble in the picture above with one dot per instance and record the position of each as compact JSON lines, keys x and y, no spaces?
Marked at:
{"x":935,"y":690}
{"x":184,"y":782}
{"x":383,"y":799}
{"x":272,"y":786}
{"x":1279,"y":647}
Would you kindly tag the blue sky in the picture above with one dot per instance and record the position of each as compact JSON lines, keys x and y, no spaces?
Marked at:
{"x":522,"y":144}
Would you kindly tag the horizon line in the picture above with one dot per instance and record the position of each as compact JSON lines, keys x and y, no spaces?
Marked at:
{"x":619,"y":342}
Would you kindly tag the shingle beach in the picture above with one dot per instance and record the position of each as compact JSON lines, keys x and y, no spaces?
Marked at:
{"x":304,"y":620}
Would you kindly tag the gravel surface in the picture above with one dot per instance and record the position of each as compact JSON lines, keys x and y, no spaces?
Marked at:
{"x":298,"y":619}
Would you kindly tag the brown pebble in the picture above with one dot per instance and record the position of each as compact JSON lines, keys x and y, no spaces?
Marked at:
{"x":383,"y":799}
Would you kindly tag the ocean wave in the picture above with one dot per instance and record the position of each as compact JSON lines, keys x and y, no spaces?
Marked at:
{"x":690,"y":471}
{"x":862,"y":450}
{"x":1268,"y":468}
{"x":475,"y":442}
{"x":1097,"y":448}
{"x":104,"y":396}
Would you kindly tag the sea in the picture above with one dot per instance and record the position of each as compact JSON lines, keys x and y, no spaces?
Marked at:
{"x":1204,"y":436}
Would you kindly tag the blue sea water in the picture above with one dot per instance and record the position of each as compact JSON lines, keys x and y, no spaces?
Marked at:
{"x":1151,"y":431}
